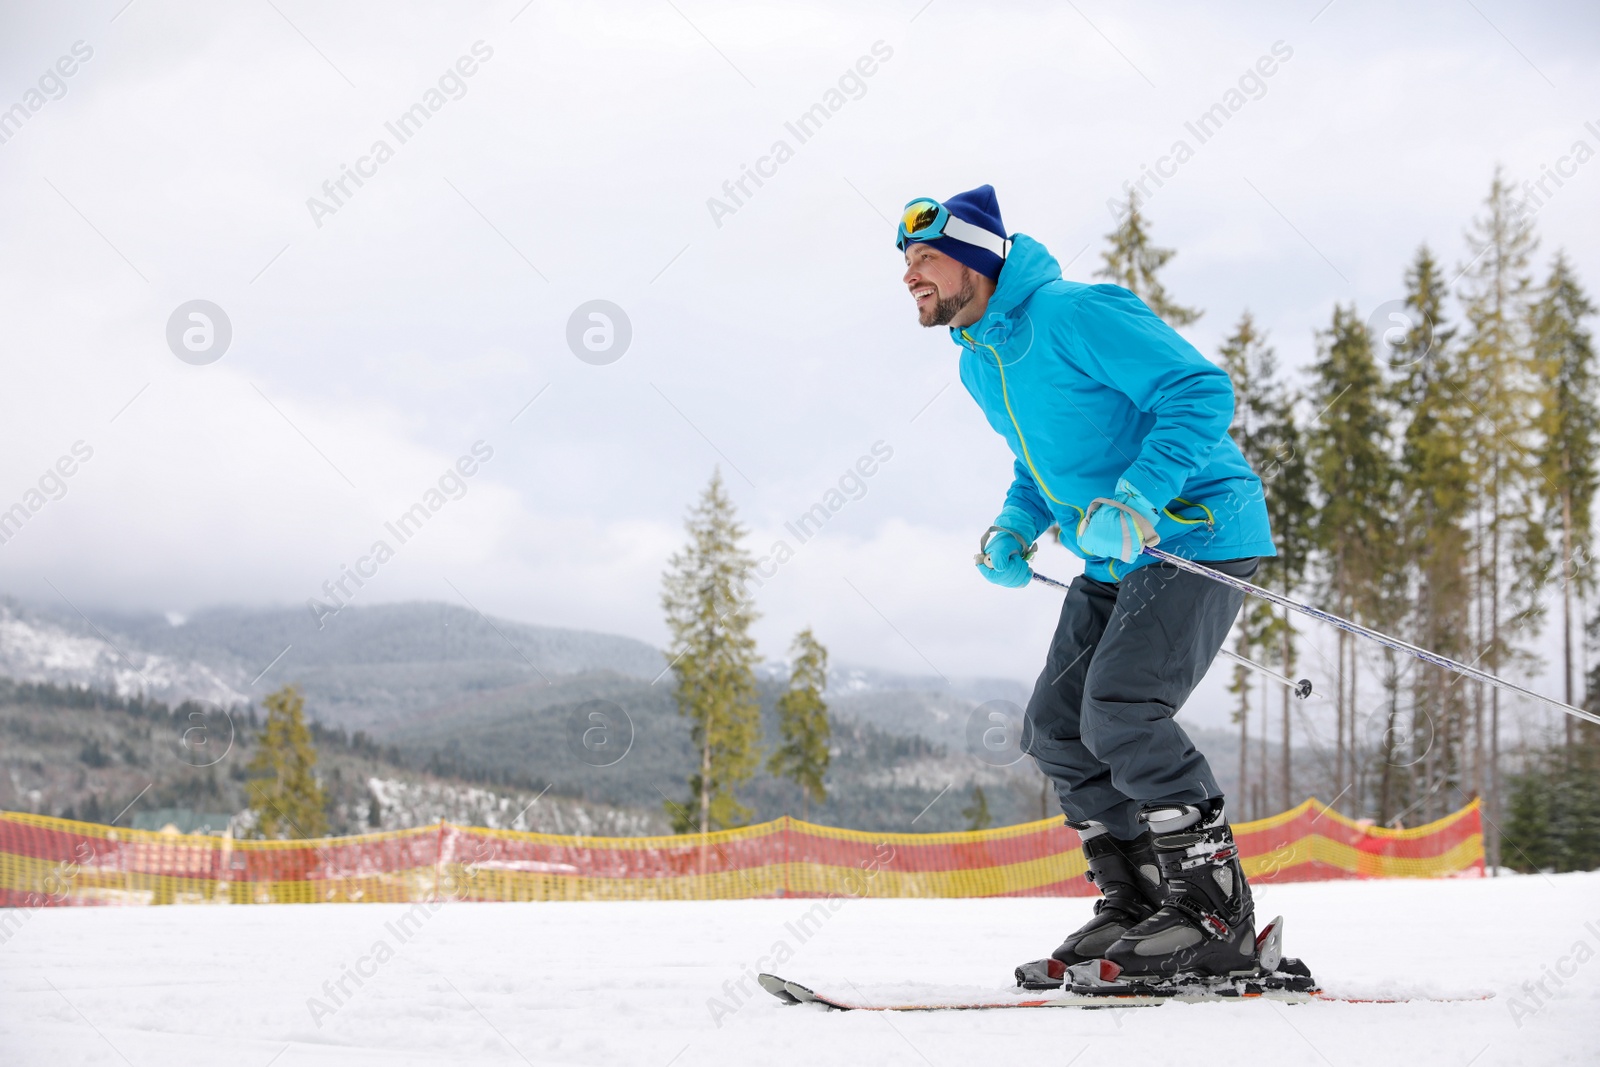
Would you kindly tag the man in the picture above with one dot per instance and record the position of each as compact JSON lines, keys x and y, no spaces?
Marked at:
{"x":1101,"y":400}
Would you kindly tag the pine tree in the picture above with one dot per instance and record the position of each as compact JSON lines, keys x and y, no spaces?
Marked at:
{"x":1265,"y":431}
{"x":1435,"y":503}
{"x":1584,"y":752}
{"x":977,"y":811}
{"x":1528,"y":822}
{"x":1132,"y":262}
{"x":1240,"y":686}
{"x":1240,"y":354}
{"x":1285,"y":471}
{"x":284,"y":793}
{"x":1508,"y":571}
{"x":1266,"y":428}
{"x":1291,"y":507}
{"x":1553,"y":814}
{"x":709,"y":621}
{"x":1577,"y":824}
{"x":1355,"y":479}
{"x":803,"y":723}
{"x":1569,"y":428}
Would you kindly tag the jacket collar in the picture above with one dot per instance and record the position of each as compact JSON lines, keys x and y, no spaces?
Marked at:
{"x":1029,"y":266}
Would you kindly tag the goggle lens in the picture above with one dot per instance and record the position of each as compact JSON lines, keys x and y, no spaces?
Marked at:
{"x":919,"y":216}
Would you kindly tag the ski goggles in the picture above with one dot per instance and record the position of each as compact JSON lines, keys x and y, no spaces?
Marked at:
{"x":925,"y":219}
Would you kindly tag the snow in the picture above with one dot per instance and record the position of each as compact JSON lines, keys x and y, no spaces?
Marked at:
{"x":641,"y":983}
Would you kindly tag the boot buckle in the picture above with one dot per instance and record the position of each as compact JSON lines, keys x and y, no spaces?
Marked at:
{"x":1210,"y":922}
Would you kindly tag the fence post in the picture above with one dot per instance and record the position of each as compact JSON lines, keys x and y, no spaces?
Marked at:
{"x":438,"y":862}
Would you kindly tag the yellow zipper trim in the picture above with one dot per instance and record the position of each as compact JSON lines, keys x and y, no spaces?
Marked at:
{"x":1209,"y":520}
{"x":1005,"y":397}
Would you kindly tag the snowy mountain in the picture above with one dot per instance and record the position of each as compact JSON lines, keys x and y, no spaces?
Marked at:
{"x":89,"y":755}
{"x":377,"y":667}
{"x":367,"y":666}
{"x":35,"y":647}
{"x":479,"y":704}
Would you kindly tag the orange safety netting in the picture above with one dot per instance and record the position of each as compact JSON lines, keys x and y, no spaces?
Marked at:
{"x":46,"y":861}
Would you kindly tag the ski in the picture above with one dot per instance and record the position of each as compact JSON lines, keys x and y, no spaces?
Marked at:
{"x":957,"y":999}
{"x":1099,"y":984}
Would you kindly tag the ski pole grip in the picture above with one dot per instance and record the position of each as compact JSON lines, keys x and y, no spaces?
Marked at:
{"x":982,"y":558}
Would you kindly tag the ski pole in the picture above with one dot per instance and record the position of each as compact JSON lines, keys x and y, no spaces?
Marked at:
{"x":1301,"y":688}
{"x":1363,"y":631}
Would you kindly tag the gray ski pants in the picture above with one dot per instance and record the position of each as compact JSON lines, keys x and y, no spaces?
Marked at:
{"x":1125,"y":657}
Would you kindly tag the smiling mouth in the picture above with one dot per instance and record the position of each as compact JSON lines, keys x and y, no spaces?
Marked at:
{"x":924,"y":294}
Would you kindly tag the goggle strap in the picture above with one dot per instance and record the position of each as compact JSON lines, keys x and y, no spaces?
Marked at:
{"x":967,"y":233}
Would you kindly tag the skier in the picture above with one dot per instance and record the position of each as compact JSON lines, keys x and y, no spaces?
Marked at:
{"x":1099,"y":399}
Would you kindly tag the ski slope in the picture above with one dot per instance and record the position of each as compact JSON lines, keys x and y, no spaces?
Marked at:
{"x":656,"y":984}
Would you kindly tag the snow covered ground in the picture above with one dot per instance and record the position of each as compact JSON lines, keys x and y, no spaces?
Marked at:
{"x":657,"y":984}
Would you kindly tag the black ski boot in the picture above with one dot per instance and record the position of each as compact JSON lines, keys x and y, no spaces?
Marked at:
{"x":1205,"y":928}
{"x":1128,"y":875}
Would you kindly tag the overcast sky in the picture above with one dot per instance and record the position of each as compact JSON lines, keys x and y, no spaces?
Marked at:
{"x":377,"y":337}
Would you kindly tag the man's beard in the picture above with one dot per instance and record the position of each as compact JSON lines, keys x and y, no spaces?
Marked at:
{"x":943,"y":311}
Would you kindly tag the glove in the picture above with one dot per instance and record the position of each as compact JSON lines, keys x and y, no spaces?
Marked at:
{"x":1107,"y":532}
{"x":1007,"y":557}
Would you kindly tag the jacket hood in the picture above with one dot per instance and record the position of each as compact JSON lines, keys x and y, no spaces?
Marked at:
{"x":1029,"y":266}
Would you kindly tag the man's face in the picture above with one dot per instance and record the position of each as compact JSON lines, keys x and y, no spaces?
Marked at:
{"x":941,"y":286}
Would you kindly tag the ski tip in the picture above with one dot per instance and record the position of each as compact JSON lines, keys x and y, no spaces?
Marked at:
{"x":795,"y":993}
{"x":777,"y":987}
{"x":805,"y":995}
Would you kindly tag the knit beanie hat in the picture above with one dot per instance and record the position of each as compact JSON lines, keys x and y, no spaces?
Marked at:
{"x":980,"y":208}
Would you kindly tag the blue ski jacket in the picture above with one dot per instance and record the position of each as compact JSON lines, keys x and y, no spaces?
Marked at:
{"x":1088,"y":386}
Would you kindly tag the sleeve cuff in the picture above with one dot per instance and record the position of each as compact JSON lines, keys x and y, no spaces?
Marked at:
{"x":1014,"y":518}
{"x":1157,"y":491}
{"x":1138,"y":500}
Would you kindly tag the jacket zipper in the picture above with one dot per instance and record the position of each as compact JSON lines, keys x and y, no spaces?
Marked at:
{"x":1005,"y":398}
